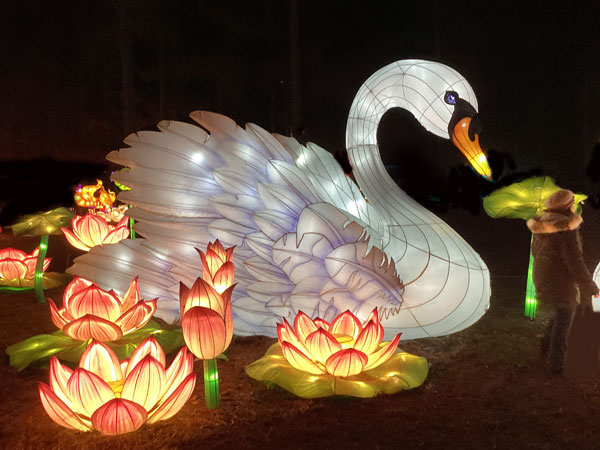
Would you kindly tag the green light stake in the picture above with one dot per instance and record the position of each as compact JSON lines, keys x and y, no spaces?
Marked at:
{"x":211,"y":383}
{"x":39,"y":272}
{"x":131,"y":222}
{"x":530,"y":299}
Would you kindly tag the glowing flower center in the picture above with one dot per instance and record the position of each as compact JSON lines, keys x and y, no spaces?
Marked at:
{"x":117,"y":387}
{"x":344,"y":340}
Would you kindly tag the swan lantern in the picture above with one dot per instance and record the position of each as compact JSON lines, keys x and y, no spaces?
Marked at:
{"x":307,"y":239}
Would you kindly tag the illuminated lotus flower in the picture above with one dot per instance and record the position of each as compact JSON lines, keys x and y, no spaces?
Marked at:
{"x":206,"y":319}
{"x":89,"y":312}
{"x":217,"y":266}
{"x":343,"y":348}
{"x":118,"y":397}
{"x":16,"y":264}
{"x":91,"y":230}
{"x":318,"y":359}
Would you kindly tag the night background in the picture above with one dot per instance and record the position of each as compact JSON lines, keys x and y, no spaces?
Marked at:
{"x":76,"y":77}
{"x":79,"y":76}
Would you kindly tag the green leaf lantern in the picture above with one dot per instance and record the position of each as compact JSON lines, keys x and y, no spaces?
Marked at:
{"x":44,"y":224}
{"x":524,"y":200}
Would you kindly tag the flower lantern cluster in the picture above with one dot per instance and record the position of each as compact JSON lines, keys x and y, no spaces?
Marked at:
{"x":90,"y":312}
{"x":316,"y":358}
{"x":206,"y":316}
{"x":91,"y":230}
{"x":118,"y":397}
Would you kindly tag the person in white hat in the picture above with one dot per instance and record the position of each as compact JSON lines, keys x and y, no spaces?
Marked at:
{"x":560,"y":275}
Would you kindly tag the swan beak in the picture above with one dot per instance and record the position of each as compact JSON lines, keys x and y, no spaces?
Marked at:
{"x":471,"y":148}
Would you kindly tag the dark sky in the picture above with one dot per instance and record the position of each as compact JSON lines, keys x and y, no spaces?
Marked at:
{"x":533,"y":65}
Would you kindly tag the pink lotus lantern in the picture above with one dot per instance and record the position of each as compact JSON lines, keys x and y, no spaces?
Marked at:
{"x":118,"y":397}
{"x":343,"y":348}
{"x":318,"y":359}
{"x":206,"y":317}
{"x":18,"y":265}
{"x":91,"y":230}
{"x":89,"y":312}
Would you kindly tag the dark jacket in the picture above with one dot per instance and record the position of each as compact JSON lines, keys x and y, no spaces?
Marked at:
{"x":560,"y":275}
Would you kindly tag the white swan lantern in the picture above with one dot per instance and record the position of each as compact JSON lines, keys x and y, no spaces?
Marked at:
{"x":306,"y":238}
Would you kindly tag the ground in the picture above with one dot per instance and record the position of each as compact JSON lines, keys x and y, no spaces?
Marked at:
{"x":487,"y":387}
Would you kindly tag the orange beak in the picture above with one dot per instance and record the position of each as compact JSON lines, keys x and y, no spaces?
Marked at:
{"x":471,"y":149}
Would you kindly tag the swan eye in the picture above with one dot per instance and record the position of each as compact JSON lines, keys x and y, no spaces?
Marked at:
{"x":450,"y":97}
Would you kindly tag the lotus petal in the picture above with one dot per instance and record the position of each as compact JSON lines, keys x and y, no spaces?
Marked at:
{"x":223,"y":278}
{"x":88,"y":392}
{"x":201,"y":294}
{"x":12,"y":253}
{"x":182,"y":366}
{"x":117,"y":235}
{"x":136,"y":317}
{"x":383,"y":354}
{"x":74,"y":286}
{"x":12,"y":268}
{"x":346,"y":324}
{"x":118,"y":416}
{"x":99,"y":359}
{"x":148,"y":347}
{"x":132,"y":296}
{"x":303,"y":325}
{"x":285,"y":333}
{"x":59,"y":377}
{"x":58,"y":411}
{"x":346,"y":363}
{"x":369,"y":338}
{"x":95,"y":301}
{"x":204,"y":332}
{"x":56,"y":315}
{"x":175,"y":401}
{"x":321,"y":345}
{"x":75,"y":241}
{"x":92,"y":327}
{"x":145,"y":383}
{"x":299,"y":360}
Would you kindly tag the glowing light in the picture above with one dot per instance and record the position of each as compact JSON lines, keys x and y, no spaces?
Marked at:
{"x":115,"y":397}
{"x":94,"y":196}
{"x":91,"y":230}
{"x":89,"y":312}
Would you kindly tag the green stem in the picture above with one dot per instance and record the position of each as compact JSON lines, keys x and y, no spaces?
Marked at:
{"x":211,"y":383}
{"x":39,"y":270}
{"x":530,"y":299}
{"x":131,"y":222}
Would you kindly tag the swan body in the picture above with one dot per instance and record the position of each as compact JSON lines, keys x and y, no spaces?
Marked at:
{"x":306,"y":237}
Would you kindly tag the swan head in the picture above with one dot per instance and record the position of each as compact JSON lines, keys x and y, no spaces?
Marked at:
{"x":464,"y":128}
{"x":438,"y":96}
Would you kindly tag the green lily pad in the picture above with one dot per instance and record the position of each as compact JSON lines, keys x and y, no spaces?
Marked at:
{"x":401,"y":372}
{"x":43,"y":223}
{"x":49,"y":280}
{"x":38,"y":349}
{"x":523,"y":200}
